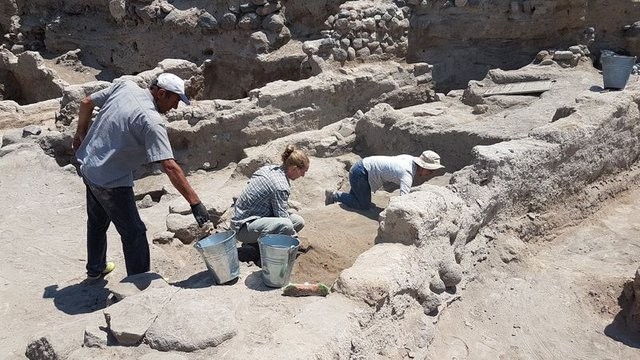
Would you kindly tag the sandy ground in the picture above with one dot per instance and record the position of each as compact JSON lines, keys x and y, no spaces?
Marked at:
{"x":559,"y":302}
{"x":42,"y":245}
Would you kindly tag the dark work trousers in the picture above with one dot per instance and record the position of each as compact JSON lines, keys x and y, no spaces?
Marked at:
{"x":115,"y":205}
{"x":359,"y":197}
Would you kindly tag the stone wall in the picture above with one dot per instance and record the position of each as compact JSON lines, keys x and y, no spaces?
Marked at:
{"x":132,"y":36}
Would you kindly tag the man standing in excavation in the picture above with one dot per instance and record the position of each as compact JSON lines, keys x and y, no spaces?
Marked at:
{"x":127,"y":132}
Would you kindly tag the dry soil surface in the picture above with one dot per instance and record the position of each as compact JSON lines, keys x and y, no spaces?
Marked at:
{"x":559,"y":302}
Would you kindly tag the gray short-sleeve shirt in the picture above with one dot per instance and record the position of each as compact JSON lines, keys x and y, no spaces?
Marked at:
{"x":127,"y":132}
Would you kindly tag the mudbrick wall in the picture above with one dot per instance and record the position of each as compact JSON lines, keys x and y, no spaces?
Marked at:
{"x":252,"y":42}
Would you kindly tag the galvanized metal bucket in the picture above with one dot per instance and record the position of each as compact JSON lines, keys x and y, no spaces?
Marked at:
{"x":277,"y":254}
{"x":220,"y":253}
{"x":616,"y":70}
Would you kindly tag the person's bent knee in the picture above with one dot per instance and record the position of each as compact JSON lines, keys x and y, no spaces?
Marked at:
{"x":245,"y":236}
{"x":283,"y":226}
{"x":297,"y":221}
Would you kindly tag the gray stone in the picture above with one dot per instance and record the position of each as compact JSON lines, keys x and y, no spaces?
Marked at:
{"x":340,"y":54}
{"x":135,"y":284}
{"x":260,"y":42}
{"x":341,"y":25}
{"x":273,"y":22}
{"x":58,"y":342}
{"x":351,"y":53}
{"x":450,"y":273}
{"x":369,"y":24}
{"x":129,"y":319}
{"x":146,"y":202}
{"x":118,"y":9}
{"x":31,"y":130}
{"x":95,"y":336}
{"x":562,"y":55}
{"x":371,"y":281}
{"x":43,"y":348}
{"x":408,"y":222}
{"x":430,"y":303}
{"x":184,"y":19}
{"x":228,"y":21}
{"x":70,"y":168}
{"x":363,"y":53}
{"x":12,"y":137}
{"x":269,"y":8}
{"x":320,"y":46}
{"x":280,"y":38}
{"x":184,"y":227}
{"x":344,"y":13}
{"x":55,"y":143}
{"x":437,"y":285}
{"x":576,"y":49}
{"x":191,"y":321}
{"x":357,"y":43}
{"x":164,"y":237}
{"x":247,"y":8}
{"x":208,"y":22}
{"x":480,"y":109}
{"x":373,"y":45}
{"x":249,"y":21}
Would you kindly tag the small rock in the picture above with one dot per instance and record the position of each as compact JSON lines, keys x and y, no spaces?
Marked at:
{"x":31,"y":130}
{"x":70,"y":168}
{"x":164,"y":237}
{"x":437,"y":285}
{"x":146,"y":202}
{"x":95,"y":337}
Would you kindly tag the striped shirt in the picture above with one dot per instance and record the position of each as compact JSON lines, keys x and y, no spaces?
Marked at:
{"x":265,"y":196}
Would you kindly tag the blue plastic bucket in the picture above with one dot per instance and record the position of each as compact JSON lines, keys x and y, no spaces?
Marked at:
{"x":220,"y":253}
{"x":277,"y":255}
{"x":616,"y":70}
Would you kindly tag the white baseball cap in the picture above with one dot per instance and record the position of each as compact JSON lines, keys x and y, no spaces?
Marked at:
{"x":428,"y":160}
{"x":173,"y":83}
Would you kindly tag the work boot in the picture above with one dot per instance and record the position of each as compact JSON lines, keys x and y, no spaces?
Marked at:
{"x":329,"y":197}
{"x":107,"y":269}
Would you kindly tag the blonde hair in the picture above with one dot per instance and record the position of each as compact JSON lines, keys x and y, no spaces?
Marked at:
{"x":294,"y":157}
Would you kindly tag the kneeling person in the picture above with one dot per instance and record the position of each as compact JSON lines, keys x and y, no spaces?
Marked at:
{"x":262,"y":207}
{"x":369,"y":174}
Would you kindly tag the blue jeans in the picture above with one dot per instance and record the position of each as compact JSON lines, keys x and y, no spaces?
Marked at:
{"x":117,"y":205}
{"x":359,"y":197}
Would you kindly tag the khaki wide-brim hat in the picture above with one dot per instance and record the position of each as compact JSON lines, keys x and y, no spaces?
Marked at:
{"x":429,"y":160}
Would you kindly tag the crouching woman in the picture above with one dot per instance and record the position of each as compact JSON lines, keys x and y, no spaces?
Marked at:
{"x":262,"y":207}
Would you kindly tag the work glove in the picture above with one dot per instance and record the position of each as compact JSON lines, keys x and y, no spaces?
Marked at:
{"x":200,"y":213}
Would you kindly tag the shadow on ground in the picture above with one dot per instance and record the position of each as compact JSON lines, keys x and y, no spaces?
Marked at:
{"x":201,"y":280}
{"x":82,"y":298}
{"x":618,"y":331}
{"x":254,"y":282}
{"x":373,"y":213}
